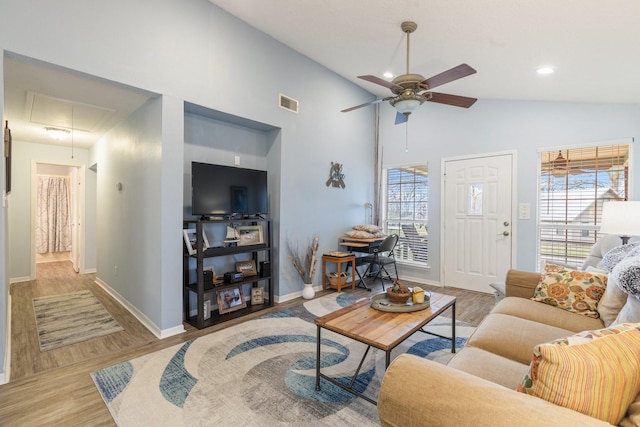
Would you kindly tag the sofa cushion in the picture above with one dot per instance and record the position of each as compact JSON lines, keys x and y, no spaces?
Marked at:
{"x":581,"y":371}
{"x":490,"y":366}
{"x":512,"y":337}
{"x":611,"y":303}
{"x":632,"y":419}
{"x":546,"y":314}
{"x":571,"y":290}
{"x":630,"y":312}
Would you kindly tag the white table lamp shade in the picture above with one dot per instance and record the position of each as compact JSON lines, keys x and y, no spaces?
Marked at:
{"x":621,"y":218}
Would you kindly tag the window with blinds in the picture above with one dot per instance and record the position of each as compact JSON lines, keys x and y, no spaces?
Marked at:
{"x":406,"y":212}
{"x":574,"y":184}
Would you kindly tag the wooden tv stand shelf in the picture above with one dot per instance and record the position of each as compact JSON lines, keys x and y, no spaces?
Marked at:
{"x":201,"y":301}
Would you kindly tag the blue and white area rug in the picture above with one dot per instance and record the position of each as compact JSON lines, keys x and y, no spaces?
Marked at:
{"x":260,"y":373}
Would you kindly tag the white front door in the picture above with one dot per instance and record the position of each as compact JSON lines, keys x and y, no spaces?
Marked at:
{"x":477,"y":221}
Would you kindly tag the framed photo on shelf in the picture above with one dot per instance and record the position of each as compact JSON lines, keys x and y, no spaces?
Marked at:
{"x":257,"y":296}
{"x":250,"y":235}
{"x":247,"y":268}
{"x":191,"y":241}
{"x":231,"y":299}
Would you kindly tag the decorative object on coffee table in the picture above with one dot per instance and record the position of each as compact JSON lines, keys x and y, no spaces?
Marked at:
{"x":381,"y":302}
{"x":398,"y":293}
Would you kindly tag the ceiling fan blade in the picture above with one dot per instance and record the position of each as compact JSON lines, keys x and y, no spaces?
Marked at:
{"x":455,"y":100}
{"x":462,"y":70}
{"x":379,"y":81}
{"x":401,"y":118}
{"x":375,"y":101}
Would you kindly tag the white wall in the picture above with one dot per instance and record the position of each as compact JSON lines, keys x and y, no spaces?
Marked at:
{"x":25,"y":157}
{"x":440,"y":131}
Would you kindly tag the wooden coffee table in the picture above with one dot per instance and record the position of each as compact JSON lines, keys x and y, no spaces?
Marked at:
{"x":380,"y":329}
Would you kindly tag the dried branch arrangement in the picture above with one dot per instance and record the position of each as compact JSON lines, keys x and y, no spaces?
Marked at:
{"x":304,"y":260}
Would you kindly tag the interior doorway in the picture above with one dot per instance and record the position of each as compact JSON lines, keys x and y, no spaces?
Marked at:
{"x":477,"y":221}
{"x":57,"y":210}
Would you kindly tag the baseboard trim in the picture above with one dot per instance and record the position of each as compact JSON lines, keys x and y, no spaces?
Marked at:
{"x":20,"y":279}
{"x":5,"y":376}
{"x":288,"y":297}
{"x":420,"y":280}
{"x":146,"y":322}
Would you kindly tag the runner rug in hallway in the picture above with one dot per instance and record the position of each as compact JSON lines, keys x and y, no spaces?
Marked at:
{"x":260,"y":373}
{"x":71,"y":318}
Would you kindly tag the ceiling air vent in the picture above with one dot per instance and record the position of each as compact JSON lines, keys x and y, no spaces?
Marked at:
{"x":288,"y":103}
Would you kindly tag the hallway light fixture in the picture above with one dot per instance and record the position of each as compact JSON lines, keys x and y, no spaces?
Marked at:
{"x":57,"y":133}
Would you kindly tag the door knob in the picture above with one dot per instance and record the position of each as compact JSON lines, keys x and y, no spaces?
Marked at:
{"x":506,"y":223}
{"x":505,"y":233}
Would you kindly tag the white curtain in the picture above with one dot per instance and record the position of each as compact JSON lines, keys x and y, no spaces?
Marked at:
{"x":53,"y":229}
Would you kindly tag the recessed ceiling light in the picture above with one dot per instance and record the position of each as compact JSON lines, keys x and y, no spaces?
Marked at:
{"x":388,"y":75}
{"x":545,"y":70}
{"x":57,"y":133}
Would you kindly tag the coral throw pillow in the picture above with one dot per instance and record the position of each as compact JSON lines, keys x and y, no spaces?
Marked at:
{"x":572,"y":290}
{"x":596,"y":373}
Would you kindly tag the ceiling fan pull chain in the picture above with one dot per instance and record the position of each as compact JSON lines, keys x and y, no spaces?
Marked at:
{"x":406,"y":137}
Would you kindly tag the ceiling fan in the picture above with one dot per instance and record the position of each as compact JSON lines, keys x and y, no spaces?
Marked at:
{"x":560,"y":167}
{"x":411,"y":90}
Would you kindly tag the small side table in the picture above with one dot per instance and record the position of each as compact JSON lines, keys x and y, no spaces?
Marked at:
{"x":338,"y":261}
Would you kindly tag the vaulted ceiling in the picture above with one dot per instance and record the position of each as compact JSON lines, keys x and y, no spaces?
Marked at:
{"x":592,"y":44}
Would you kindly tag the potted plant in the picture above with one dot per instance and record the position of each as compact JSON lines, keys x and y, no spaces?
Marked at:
{"x":304,"y":262}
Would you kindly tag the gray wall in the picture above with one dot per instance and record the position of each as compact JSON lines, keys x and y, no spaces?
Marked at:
{"x":438,"y":132}
{"x":190,"y":50}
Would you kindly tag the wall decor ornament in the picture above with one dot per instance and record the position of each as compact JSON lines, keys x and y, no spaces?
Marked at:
{"x":336,"y":177}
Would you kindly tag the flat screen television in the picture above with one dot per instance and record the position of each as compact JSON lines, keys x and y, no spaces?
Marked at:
{"x":219,"y":190}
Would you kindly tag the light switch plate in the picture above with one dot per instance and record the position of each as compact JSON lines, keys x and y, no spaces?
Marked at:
{"x":524,"y":211}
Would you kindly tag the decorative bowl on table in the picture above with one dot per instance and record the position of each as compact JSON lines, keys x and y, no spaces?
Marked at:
{"x":398,"y":293}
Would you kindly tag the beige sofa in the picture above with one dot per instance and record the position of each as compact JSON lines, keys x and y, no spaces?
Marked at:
{"x":478,"y":386}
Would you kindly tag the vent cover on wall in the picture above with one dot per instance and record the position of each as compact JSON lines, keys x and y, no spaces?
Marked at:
{"x":288,"y":103}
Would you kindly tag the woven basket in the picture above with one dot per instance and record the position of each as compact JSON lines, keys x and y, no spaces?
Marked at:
{"x":333,"y":278}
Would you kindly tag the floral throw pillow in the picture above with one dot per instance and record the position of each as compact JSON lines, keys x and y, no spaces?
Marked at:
{"x":572,"y":290}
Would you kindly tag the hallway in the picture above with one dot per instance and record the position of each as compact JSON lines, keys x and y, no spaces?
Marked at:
{"x":54,"y":278}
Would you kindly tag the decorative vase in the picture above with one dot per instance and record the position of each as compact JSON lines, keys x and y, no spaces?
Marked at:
{"x":308,"y":292}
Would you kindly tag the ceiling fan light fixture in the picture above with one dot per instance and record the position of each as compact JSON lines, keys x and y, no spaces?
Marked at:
{"x":407,"y":106}
{"x":57,"y":133}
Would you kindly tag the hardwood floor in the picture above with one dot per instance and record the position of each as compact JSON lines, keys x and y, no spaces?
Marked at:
{"x":55,"y":388}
